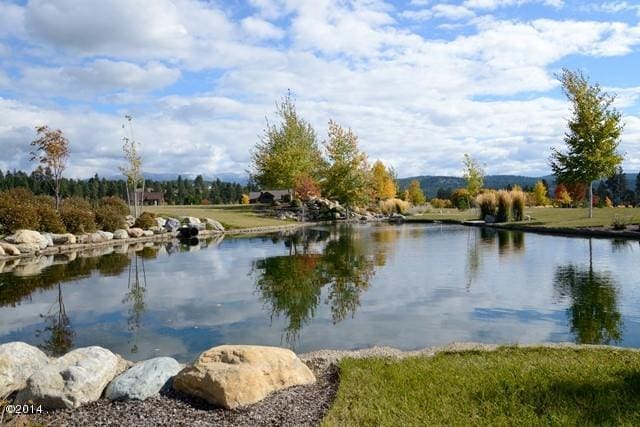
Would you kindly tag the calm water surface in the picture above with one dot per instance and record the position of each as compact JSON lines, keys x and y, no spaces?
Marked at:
{"x":408,"y":286}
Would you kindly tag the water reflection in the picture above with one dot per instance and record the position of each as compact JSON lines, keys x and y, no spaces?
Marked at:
{"x":594,"y":315}
{"x":57,"y":328}
{"x":137,"y":286}
{"x":291,"y":285}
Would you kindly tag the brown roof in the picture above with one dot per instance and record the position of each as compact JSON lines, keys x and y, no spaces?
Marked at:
{"x":153,"y":195}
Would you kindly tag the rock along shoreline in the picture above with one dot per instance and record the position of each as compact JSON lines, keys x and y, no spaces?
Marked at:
{"x":303,"y":401}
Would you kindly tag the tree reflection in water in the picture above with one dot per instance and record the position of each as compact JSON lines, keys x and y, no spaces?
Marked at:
{"x":137,"y":286}
{"x":292,"y":284}
{"x":58,"y":327}
{"x":593,"y":314}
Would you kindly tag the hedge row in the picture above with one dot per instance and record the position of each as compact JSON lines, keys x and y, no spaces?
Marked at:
{"x":21,"y":209}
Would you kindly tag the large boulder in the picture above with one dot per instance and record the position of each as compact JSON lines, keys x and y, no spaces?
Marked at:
{"x":135,"y":232}
{"x":130,"y":220}
{"x":160,"y":221}
{"x":63,"y":239}
{"x":28,"y":248}
{"x":76,"y":378}
{"x":95,"y":238}
{"x":147,"y":233}
{"x":9,"y":249}
{"x":214,"y":225}
{"x":18,"y":361}
{"x":28,"y":237}
{"x":106,"y":235}
{"x":171,"y":224}
{"x":49,"y":238}
{"x":120,"y":234}
{"x":143,"y":380}
{"x":238,"y":375}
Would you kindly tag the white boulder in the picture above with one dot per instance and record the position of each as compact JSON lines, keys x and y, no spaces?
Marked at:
{"x":18,"y":361}
{"x":28,"y":237}
{"x":143,"y":380}
{"x":76,"y":378}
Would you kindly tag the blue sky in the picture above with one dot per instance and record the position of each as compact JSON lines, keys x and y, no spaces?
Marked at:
{"x":421,"y":82}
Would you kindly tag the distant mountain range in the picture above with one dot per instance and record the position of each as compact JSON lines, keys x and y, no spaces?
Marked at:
{"x":431,"y":184}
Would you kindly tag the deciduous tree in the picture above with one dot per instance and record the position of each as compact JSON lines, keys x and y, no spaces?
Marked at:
{"x":286,"y":151}
{"x":347,"y":175}
{"x":416,"y":195}
{"x":383,"y":181}
{"x":593,"y":137}
{"x":52,"y":151}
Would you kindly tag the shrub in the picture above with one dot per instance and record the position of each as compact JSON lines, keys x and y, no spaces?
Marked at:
{"x":487,"y":204}
{"x":145,"y":220}
{"x":440,"y":203}
{"x":503,"y":209}
{"x":461,"y":198}
{"x":394,"y":205}
{"x":48,"y":218}
{"x":77,"y":215}
{"x":18,"y":210}
{"x":245,"y":199}
{"x":115,"y":203}
{"x":108,"y":218}
{"x":619,"y":223}
{"x":517,"y":204}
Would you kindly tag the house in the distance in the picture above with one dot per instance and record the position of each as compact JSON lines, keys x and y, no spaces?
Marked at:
{"x":270,"y":196}
{"x":153,"y":198}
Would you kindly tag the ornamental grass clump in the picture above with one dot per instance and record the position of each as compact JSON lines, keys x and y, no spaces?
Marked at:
{"x":487,"y":203}
{"x":517,"y":204}
{"x":503,"y":210}
{"x":393,"y":205}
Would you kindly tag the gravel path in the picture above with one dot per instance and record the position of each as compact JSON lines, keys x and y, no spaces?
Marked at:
{"x":296,"y":406}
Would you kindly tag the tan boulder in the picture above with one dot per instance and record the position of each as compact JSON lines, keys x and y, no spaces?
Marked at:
{"x":9,"y":248}
{"x":135,"y":232}
{"x":238,"y":375}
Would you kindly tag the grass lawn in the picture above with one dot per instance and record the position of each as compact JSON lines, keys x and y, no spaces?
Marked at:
{"x":230,"y":216}
{"x":511,"y":386}
{"x":548,"y":217}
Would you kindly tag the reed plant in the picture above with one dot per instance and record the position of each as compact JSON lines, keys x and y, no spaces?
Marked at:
{"x":487,"y":203}
{"x":503,"y":210}
{"x":517,"y":204}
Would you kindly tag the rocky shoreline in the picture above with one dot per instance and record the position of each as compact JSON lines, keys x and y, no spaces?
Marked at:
{"x":301,"y":404}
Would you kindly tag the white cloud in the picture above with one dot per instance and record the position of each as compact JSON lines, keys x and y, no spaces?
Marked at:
{"x":613,"y":7}
{"x":98,"y":77}
{"x":415,"y":101}
{"x":261,"y":29}
{"x":443,"y":10}
{"x":495,"y":4}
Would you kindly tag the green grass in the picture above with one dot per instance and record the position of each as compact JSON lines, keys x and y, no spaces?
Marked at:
{"x":230,"y":216}
{"x":511,"y":386}
{"x":547,"y":217}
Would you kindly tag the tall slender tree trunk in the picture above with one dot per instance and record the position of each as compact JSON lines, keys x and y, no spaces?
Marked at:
{"x":590,"y":199}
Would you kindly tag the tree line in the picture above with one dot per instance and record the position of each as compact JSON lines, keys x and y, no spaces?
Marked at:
{"x":180,"y":191}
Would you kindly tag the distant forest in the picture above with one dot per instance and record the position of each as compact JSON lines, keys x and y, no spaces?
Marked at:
{"x":180,"y":191}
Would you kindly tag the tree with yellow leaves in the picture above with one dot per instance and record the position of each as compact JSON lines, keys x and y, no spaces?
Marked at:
{"x":383,"y":181}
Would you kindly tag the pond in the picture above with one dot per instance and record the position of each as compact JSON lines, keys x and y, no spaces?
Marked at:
{"x":340,"y":287}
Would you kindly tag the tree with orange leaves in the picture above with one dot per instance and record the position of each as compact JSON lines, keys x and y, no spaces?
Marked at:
{"x":52,"y":151}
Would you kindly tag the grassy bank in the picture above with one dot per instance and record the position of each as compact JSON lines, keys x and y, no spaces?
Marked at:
{"x":231,"y":216}
{"x":511,"y":386}
{"x":546,"y":217}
